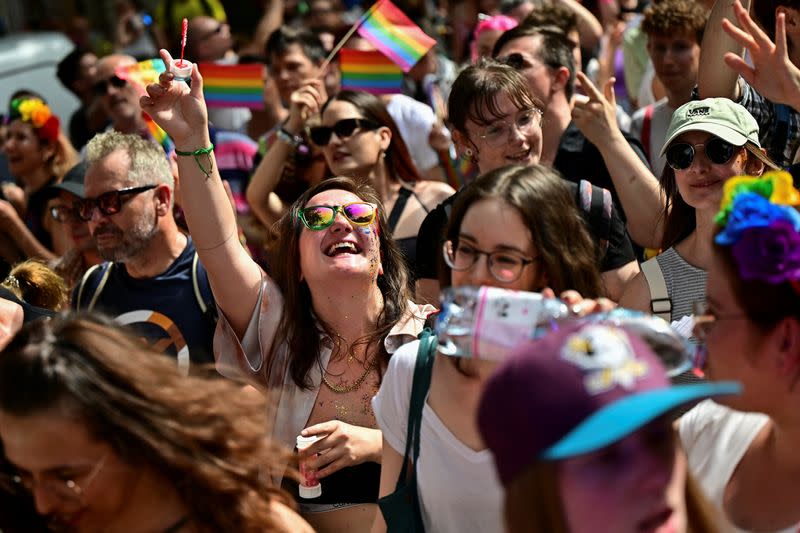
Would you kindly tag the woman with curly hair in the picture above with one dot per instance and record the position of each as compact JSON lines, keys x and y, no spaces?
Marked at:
{"x":107,"y":435}
{"x":38,"y":156}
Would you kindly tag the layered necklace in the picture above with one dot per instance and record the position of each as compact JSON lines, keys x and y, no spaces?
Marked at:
{"x":344,"y":389}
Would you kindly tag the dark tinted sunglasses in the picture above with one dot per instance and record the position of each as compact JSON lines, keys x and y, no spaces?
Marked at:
{"x":680,"y":155}
{"x":101,"y":87}
{"x":321,"y":135}
{"x":109,"y":203}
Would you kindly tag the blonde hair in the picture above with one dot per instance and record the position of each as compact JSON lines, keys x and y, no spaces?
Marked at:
{"x":37,"y":284}
{"x":65,"y":157}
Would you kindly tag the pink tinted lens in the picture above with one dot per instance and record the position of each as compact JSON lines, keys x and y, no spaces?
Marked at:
{"x":361,"y":214}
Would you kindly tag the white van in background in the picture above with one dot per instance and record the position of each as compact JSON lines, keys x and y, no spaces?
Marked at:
{"x":29,"y":61}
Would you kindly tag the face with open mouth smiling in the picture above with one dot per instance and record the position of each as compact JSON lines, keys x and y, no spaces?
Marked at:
{"x":341,"y":249}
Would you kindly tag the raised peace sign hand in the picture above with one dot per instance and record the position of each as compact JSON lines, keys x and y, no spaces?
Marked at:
{"x":179,"y":110}
{"x":773,"y":74}
{"x":596,"y":114}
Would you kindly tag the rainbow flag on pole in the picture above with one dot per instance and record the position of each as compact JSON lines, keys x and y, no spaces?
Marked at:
{"x":233,"y":85}
{"x":369,"y":71}
{"x":392,"y":32}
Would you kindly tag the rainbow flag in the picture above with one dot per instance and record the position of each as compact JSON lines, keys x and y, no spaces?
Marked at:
{"x":369,"y":71}
{"x":142,"y":74}
{"x":233,"y":85}
{"x":392,"y":32}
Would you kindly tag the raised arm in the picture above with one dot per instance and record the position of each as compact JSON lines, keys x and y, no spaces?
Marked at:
{"x":639,"y":193}
{"x":305,"y":102}
{"x":589,"y":28}
{"x":714,"y":77}
{"x":181,"y":112}
{"x":772,"y":73}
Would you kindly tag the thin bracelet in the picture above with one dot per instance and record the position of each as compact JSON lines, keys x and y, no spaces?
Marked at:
{"x":196,"y":154}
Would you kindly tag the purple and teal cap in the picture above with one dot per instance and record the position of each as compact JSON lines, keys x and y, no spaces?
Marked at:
{"x":575,"y":391}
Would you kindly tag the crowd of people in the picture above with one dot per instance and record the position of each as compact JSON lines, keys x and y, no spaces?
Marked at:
{"x":242,"y":319}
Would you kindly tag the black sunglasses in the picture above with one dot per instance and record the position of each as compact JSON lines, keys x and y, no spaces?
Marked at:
{"x":109,"y":203}
{"x":321,"y":135}
{"x":101,"y":87}
{"x":680,"y":155}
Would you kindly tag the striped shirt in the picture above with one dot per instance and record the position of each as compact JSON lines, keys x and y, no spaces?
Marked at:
{"x":685,"y":284}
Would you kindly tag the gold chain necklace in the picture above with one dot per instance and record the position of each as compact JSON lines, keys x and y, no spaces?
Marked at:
{"x":339,"y":389}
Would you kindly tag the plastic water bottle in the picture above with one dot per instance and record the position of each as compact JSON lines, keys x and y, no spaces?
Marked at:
{"x":488,"y":323}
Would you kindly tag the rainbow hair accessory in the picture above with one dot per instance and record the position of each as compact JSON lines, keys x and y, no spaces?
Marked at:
{"x":36,"y":113}
{"x":762,"y":226}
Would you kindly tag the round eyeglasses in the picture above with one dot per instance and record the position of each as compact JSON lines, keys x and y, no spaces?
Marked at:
{"x":681,"y":155}
{"x":500,"y":132}
{"x":63,"y":487}
{"x":505,"y":267}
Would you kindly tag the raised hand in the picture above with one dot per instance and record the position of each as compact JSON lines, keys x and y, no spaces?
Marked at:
{"x":773,"y":74}
{"x":180,"y":111}
{"x":596,"y":115}
{"x":306,"y":102}
{"x":342,"y":445}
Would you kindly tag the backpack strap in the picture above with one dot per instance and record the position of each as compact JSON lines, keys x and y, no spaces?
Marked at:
{"x":660,"y":302}
{"x":646,"y":129}
{"x":596,"y":202}
{"x":93,"y":281}
{"x":419,"y":391}
{"x":202,"y":291}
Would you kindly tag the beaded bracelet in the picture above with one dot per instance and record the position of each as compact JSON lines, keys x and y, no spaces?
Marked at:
{"x":292,"y":140}
{"x":196,"y":154}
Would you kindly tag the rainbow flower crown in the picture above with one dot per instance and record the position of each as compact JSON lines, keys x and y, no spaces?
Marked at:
{"x":35,"y":112}
{"x":762,"y":227}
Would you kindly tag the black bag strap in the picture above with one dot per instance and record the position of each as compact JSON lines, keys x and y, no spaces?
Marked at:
{"x":398,"y":207}
{"x":419,"y":391}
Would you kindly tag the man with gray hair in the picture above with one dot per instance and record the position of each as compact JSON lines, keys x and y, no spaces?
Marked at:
{"x":151,"y":277}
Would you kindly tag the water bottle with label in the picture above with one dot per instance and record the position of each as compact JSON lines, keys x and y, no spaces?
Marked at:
{"x":487,"y":322}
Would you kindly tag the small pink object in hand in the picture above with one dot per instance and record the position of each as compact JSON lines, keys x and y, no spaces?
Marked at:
{"x":310,"y":487}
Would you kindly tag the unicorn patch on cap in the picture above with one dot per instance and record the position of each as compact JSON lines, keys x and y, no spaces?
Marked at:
{"x":606,"y":357}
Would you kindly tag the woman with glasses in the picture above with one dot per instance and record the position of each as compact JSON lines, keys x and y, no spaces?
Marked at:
{"x":743,"y":450}
{"x":536,"y":239}
{"x":359,"y":138}
{"x":316,"y":334}
{"x":106,"y":435}
{"x":38,"y":156}
{"x":707,"y":142}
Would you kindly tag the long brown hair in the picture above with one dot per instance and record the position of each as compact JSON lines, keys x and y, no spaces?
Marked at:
{"x":569,"y":255}
{"x":679,"y":217}
{"x":398,"y":159}
{"x":202,"y":434}
{"x":299,"y":328}
{"x":533,"y":503}
{"x":37,"y":284}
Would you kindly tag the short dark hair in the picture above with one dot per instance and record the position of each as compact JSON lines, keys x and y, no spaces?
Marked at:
{"x":551,"y":14}
{"x":281,"y":39}
{"x":555,"y":50}
{"x":476,"y":89}
{"x":68,"y":69}
{"x":764,"y":13}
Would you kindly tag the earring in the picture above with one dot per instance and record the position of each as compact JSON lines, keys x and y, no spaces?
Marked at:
{"x":468,"y":152}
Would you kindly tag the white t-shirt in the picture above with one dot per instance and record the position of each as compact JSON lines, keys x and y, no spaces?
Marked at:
{"x":715,"y":439}
{"x":458,"y":487}
{"x":659,"y":123}
{"x":415,"y":121}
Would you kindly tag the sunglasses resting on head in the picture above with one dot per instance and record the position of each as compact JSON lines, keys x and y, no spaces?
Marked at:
{"x":321,"y":135}
{"x":319,"y":217}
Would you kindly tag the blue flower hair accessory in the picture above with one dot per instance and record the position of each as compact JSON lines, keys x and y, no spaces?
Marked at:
{"x":762,"y":227}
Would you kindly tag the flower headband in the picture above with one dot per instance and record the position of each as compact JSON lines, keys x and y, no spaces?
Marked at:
{"x":37,"y":114}
{"x":762,"y":227}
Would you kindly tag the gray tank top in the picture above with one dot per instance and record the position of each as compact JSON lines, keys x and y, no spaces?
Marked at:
{"x":685,"y":284}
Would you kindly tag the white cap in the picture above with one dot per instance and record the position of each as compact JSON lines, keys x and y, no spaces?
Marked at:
{"x":310,"y":492}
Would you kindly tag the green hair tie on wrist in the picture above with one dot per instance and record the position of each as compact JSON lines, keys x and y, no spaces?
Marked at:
{"x":196,"y":154}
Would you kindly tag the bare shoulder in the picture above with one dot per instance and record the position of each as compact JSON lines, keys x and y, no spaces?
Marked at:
{"x":289,"y":521}
{"x":636,"y":294}
{"x":432,"y":193}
